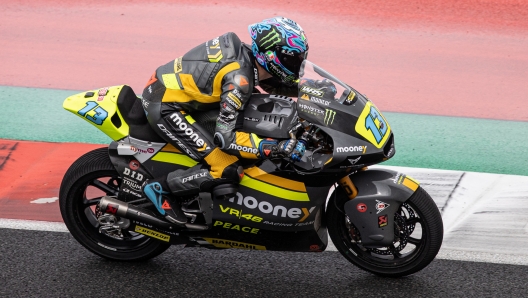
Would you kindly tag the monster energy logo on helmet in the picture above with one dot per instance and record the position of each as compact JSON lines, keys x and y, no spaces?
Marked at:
{"x":329,"y":116}
{"x":272,"y":38}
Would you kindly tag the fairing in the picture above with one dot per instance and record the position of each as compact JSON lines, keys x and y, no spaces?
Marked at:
{"x":99,"y":108}
{"x":361,"y":135}
{"x":380,"y":194}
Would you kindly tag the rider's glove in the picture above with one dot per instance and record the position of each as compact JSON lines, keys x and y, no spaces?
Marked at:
{"x":293,"y":149}
{"x":268,"y":148}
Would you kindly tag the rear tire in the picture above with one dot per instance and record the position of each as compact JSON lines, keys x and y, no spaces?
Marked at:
{"x":418,"y":217}
{"x":88,"y":179}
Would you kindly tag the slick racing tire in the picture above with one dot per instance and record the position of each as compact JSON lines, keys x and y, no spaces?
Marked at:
{"x":418,"y":237}
{"x":86,"y":181}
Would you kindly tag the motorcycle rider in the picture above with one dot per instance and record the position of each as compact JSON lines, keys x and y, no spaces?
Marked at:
{"x":221,"y":73}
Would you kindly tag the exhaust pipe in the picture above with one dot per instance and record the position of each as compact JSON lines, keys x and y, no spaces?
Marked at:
{"x":123,"y":209}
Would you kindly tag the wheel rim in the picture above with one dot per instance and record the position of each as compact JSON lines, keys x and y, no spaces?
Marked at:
{"x":410,"y":239}
{"x":86,"y":197}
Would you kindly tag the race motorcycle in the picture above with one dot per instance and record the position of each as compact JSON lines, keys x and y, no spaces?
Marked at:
{"x":380,"y":220}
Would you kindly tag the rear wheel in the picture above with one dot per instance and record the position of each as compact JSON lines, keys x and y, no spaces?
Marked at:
{"x":88,"y":179}
{"x":418,"y":236}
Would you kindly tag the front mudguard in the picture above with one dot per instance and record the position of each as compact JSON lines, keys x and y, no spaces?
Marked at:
{"x":380,"y":194}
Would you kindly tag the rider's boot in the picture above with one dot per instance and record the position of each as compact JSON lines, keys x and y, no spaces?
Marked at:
{"x":197,"y":179}
{"x":156,"y":190}
{"x":184,"y":184}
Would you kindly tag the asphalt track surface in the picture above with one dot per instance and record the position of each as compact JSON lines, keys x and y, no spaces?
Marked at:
{"x":52,"y":264}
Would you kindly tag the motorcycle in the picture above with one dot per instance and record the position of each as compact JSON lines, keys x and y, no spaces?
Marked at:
{"x":380,"y":220}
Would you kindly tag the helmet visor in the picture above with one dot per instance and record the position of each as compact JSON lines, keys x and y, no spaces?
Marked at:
{"x":291,"y":60}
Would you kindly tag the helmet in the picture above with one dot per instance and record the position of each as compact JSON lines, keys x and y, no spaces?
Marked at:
{"x":280,"y":46}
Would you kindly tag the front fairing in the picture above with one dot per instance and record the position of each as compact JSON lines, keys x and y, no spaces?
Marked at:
{"x":361,"y":135}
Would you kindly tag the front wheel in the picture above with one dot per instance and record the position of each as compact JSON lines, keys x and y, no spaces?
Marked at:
{"x":88,"y":179}
{"x":418,"y":236}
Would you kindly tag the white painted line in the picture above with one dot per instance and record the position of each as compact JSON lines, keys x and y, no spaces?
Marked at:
{"x":483,"y":257}
{"x":45,"y":200}
{"x":34,"y":225}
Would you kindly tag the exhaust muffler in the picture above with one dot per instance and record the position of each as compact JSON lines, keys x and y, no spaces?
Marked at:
{"x":123,"y":209}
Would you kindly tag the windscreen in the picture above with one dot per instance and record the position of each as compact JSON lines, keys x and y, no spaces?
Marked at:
{"x":318,"y":82}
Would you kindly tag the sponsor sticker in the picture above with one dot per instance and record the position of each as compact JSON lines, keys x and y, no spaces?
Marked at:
{"x":193,"y":177}
{"x":354,"y":161}
{"x":255,"y":76}
{"x":350,"y":97}
{"x":243,"y":148}
{"x":221,"y":243}
{"x":188,"y":131}
{"x":112,"y":208}
{"x":329,"y":116}
{"x":310,"y":109}
{"x":360,"y":149}
{"x":361,"y":207}
{"x":251,"y":119}
{"x":270,"y":39}
{"x":132,"y":184}
{"x":152,"y":233}
{"x":133,"y":174}
{"x":277,"y":210}
{"x":178,"y":65}
{"x":178,"y":142}
{"x":321,"y":101}
{"x":102,"y":93}
{"x":270,"y":55}
{"x":235,"y":99}
{"x":383,"y":220}
{"x":240,"y":214}
{"x":133,"y":165}
{"x":214,"y":51}
{"x":380,"y":206}
{"x":312,"y":91}
{"x":231,"y":226}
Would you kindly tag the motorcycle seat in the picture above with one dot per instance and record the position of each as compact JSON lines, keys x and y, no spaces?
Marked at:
{"x":132,"y":111}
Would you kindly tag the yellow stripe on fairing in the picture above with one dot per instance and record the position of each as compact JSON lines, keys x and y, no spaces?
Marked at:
{"x":410,"y":183}
{"x":259,"y":174}
{"x":274,"y":190}
{"x":170,"y":148}
{"x":174,"y":158}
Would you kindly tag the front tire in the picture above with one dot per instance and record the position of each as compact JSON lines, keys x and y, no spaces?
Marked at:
{"x":88,"y":179}
{"x":418,"y":237}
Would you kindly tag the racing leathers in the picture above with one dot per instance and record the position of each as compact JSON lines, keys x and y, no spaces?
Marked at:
{"x":219,"y":73}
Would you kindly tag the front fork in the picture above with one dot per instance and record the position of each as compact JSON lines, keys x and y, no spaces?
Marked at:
{"x":349,"y":187}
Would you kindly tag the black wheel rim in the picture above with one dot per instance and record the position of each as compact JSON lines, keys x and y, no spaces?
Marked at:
{"x":410,"y":239}
{"x":91,"y":188}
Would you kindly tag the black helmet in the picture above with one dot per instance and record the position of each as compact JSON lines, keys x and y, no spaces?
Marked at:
{"x":280,"y":46}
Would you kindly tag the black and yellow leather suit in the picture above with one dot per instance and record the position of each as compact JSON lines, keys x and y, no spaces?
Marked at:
{"x":219,"y":73}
